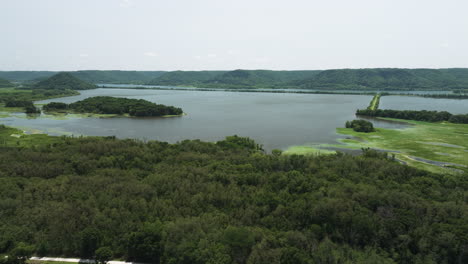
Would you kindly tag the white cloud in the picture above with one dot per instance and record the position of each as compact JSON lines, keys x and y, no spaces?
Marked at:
{"x":150,"y":54}
{"x":444,"y":45}
{"x":233,"y":52}
{"x":198,"y":57}
{"x":83,"y":55}
{"x":126,"y":3}
{"x":212,"y":55}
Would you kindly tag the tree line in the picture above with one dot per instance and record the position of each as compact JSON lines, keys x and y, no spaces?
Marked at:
{"x":422,"y":115}
{"x":28,"y":106}
{"x":225,"y":202}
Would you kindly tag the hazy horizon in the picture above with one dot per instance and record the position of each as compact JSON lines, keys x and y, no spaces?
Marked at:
{"x":46,"y":70}
{"x":144,"y":35}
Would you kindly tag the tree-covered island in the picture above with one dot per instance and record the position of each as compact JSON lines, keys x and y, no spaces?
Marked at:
{"x":115,"y":105}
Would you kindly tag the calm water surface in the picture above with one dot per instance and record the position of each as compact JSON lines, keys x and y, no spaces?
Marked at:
{"x":274,"y":120}
{"x":454,"y":106}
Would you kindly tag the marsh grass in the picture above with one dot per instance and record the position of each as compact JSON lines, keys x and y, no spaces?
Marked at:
{"x":442,"y":142}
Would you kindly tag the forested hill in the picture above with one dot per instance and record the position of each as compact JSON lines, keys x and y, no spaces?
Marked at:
{"x":133,"y":77}
{"x":63,"y":81}
{"x":92,"y":76}
{"x":189,"y":78}
{"x":25,"y":76}
{"x":343,"y":79}
{"x":258,"y":78}
{"x":226,"y":202}
{"x":5,"y":83}
{"x":346,"y":79}
{"x":391,"y":79}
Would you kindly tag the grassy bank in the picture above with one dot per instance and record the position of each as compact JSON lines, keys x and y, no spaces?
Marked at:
{"x":437,"y":147}
{"x":374,"y":104}
{"x":445,"y":143}
{"x":307,"y":150}
{"x":14,"y":137}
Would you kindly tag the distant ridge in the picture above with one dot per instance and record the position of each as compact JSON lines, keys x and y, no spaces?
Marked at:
{"x":345,"y":79}
{"x":400,"y":79}
{"x":92,"y":76}
{"x":342,"y":79}
{"x":186,"y":77}
{"x":63,"y":81}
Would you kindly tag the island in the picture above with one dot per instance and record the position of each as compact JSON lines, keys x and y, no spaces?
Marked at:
{"x":114,"y":106}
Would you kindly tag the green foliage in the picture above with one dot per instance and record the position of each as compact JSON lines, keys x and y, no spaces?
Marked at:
{"x":145,"y":244}
{"x":103,"y":255}
{"x":257,"y":78}
{"x":423,"y":115}
{"x":29,"y":107}
{"x":135,"y":77}
{"x":236,"y":142}
{"x":388,"y":79}
{"x":63,"y":81}
{"x":342,"y":79}
{"x":89,"y":241}
{"x":22,"y":76}
{"x":18,"y":103}
{"x":18,"y":255}
{"x":199,"y":202}
{"x":32,"y":110}
{"x":233,"y":79}
{"x":240,"y":240}
{"x":360,"y":125}
{"x":374,"y":104}
{"x":5,"y":83}
{"x":33,"y":95}
{"x":126,"y":77}
{"x":55,"y":106}
{"x":346,"y":79}
{"x":115,"y":105}
{"x":185,"y":77}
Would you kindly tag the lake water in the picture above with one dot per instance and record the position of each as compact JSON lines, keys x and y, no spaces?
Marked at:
{"x":272,"y":119}
{"x":454,"y":106}
{"x":275,"y":120}
{"x":143,"y":86}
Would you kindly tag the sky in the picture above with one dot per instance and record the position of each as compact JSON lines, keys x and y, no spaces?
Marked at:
{"x":66,"y":35}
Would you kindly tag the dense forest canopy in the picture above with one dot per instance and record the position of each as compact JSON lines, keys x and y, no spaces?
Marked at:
{"x":92,"y":76}
{"x":24,"y":76}
{"x":115,"y":105}
{"x":341,"y":79}
{"x":423,"y":115}
{"x":258,"y":78}
{"x":346,"y":79}
{"x":185,"y":77}
{"x":63,"y":81}
{"x":133,"y":77}
{"x":5,"y":83}
{"x":226,"y":202}
{"x":33,"y":95}
{"x":388,"y":79}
